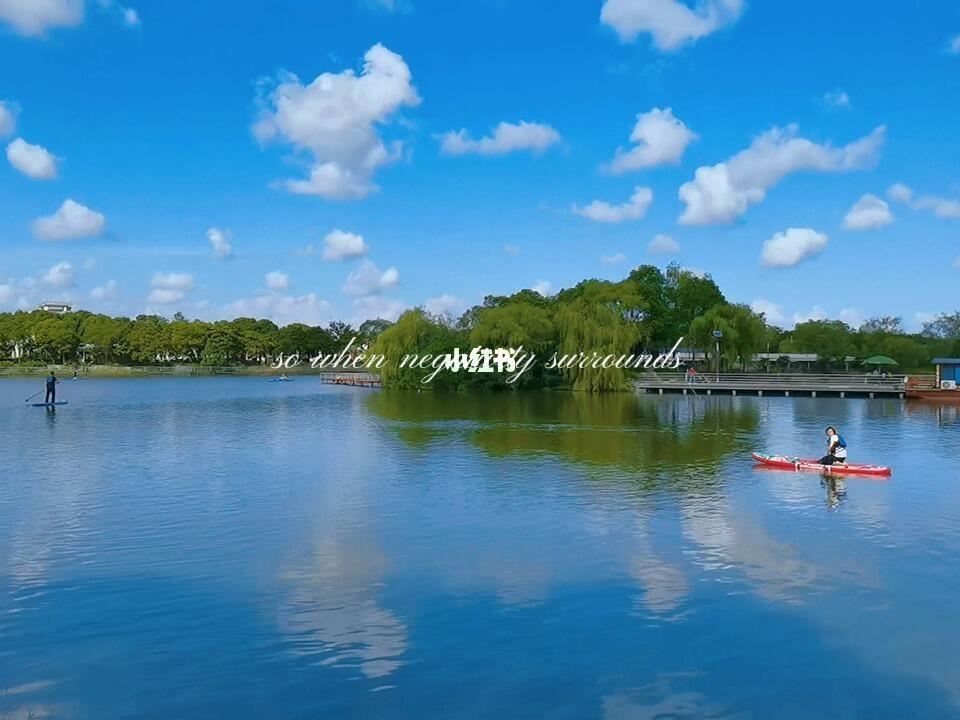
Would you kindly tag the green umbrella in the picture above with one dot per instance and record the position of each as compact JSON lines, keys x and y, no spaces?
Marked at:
{"x":880,"y":360}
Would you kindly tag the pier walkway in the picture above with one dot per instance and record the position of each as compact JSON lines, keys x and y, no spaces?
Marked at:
{"x":787,"y":384}
{"x":354,"y":379}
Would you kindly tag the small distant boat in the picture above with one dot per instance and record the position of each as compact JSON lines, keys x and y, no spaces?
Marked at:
{"x":281,"y":379}
{"x":58,"y":402}
{"x":780,"y":462}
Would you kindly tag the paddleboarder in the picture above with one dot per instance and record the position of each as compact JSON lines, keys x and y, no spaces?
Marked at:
{"x":51,"y":396}
{"x":836,"y":448}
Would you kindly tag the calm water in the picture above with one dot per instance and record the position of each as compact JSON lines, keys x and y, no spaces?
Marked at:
{"x":233,"y":548}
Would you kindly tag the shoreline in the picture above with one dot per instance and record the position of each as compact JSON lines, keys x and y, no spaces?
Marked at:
{"x":66,"y":371}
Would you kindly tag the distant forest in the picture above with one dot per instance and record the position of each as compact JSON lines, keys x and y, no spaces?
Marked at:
{"x":648,"y":310}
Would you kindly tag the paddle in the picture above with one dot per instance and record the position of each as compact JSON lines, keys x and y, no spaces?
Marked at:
{"x":33,"y":396}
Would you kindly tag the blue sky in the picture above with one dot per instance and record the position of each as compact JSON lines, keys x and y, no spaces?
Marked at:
{"x":162,"y":121}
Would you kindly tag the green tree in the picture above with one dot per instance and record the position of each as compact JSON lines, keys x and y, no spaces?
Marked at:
{"x":744,"y":333}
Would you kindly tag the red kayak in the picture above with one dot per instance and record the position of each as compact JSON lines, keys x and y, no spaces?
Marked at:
{"x":780,"y":462}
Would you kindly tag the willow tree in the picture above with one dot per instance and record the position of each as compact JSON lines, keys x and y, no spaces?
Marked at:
{"x":516,"y":325}
{"x":744,"y":332}
{"x":415,"y":333}
{"x":600,"y":319}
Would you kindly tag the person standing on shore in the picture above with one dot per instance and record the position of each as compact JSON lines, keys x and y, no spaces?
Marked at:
{"x":51,"y":396}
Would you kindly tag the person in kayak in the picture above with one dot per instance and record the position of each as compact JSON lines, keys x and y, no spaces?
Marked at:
{"x":836,"y":448}
{"x":51,"y":396}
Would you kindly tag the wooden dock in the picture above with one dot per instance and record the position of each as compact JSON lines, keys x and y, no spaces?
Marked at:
{"x":368,"y":380}
{"x":783,"y":384}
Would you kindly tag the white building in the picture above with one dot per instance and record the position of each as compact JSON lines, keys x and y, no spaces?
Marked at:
{"x":58,"y":308}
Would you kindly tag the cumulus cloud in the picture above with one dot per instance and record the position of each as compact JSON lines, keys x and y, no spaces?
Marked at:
{"x":544,"y":287}
{"x":444,"y":305}
{"x":33,"y":161}
{"x":670,"y":23}
{"x":335,"y":119}
{"x":868,"y":213}
{"x":340,"y":245}
{"x":660,"y":140}
{"x":130,"y":17}
{"x":308,"y":309}
{"x":944,"y":208}
{"x":770,"y":311}
{"x":633,"y":209}
{"x":368,"y":280}
{"x":169,"y":288}
{"x":837,"y":99}
{"x":720,"y":193}
{"x":506,"y":138}
{"x":817,"y":313}
{"x":663,"y":245}
{"x":787,"y":248}
{"x":33,"y":18}
{"x":613,"y":259}
{"x":8,"y":117}
{"x":59,"y":276}
{"x":107,"y":291}
{"x":220,"y":242}
{"x":373,"y":307}
{"x":71,"y":222}
{"x":852,"y":317}
{"x":277,"y":280}
{"x":900,"y":193}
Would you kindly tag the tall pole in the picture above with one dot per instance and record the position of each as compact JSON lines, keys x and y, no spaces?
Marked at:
{"x":718,"y":359}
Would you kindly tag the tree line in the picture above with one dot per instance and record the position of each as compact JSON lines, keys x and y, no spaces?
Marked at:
{"x":645,"y":312}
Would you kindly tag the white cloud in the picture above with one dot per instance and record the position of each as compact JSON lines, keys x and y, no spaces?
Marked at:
{"x":374,"y":307}
{"x":660,"y":140}
{"x":220,"y":242}
{"x":613,"y":259}
{"x":444,"y":305}
{"x":953,"y":47}
{"x":770,"y":310}
{"x":720,"y":193}
{"x":33,"y":161}
{"x":107,"y":291}
{"x":8,"y":292}
{"x":368,"y":280}
{"x":71,"y":222}
{"x":335,"y":119}
{"x":506,"y":138}
{"x":59,"y":276}
{"x":900,"y":193}
{"x":277,"y":280}
{"x":786,"y":249}
{"x":8,"y":117}
{"x":837,"y":99}
{"x":130,"y":17}
{"x":34,"y":17}
{"x":944,"y":208}
{"x":671,"y":23}
{"x":817,"y":313}
{"x":852,"y":317}
{"x":544,"y":287}
{"x":868,"y":213}
{"x":282,"y":309}
{"x":663,"y":245}
{"x":339,"y":245}
{"x":511,"y":249}
{"x":169,"y":288}
{"x":604,"y":212}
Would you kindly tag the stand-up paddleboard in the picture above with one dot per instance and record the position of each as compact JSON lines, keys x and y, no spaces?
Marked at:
{"x":58,"y":402}
{"x":780,"y":462}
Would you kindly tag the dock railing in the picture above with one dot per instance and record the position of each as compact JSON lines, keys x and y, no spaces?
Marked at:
{"x":817,"y":381}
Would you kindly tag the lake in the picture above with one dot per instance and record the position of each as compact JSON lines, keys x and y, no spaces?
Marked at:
{"x":235,"y":548}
